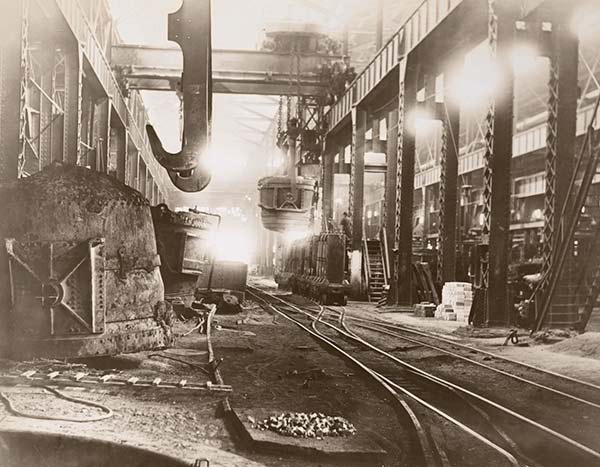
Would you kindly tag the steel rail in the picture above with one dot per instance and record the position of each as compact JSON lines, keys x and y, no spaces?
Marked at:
{"x":475,"y":349}
{"x":465,"y":391}
{"x":483,"y":365}
{"x":386,"y":382}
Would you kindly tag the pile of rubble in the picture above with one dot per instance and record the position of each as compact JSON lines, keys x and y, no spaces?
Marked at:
{"x":304,"y":425}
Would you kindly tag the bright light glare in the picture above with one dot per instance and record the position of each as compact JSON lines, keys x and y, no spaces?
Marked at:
{"x":524,"y":58}
{"x":233,"y":244}
{"x":585,"y":20}
{"x":293,"y":235}
{"x":228,"y":159}
{"x":426,"y":126}
{"x":478,"y":79}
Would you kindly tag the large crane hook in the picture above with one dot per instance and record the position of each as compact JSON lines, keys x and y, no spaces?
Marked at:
{"x":190,"y":28}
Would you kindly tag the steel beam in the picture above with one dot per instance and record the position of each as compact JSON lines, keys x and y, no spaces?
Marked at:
{"x":46,"y":109}
{"x":10,"y":88}
{"x":356,"y":197}
{"x":405,"y":182}
{"x":234,"y":71}
{"x":118,"y":145}
{"x":448,"y":187}
{"x":103,"y":108}
{"x":390,"y":191}
{"x":73,"y":104}
{"x":328,"y":180}
{"x":498,"y":162}
{"x":357,"y":184}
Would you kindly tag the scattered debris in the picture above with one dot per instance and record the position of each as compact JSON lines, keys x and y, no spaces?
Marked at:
{"x":304,"y":425}
{"x":550,"y":336}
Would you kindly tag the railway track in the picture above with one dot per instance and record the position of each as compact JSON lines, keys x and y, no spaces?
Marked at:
{"x":510,"y":433}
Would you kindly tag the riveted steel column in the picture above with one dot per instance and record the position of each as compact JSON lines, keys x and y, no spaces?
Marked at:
{"x":46,"y":108}
{"x":560,"y":153}
{"x":389,"y":220}
{"x":73,"y":105}
{"x":328,"y":158}
{"x":356,"y":200}
{"x":406,"y":180}
{"x":119,"y":142}
{"x":357,"y":175}
{"x":498,"y":156}
{"x":10,"y":88}
{"x":102,"y":144}
{"x":448,"y":187}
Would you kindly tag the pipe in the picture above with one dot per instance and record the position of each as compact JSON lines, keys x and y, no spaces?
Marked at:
{"x":190,"y":28}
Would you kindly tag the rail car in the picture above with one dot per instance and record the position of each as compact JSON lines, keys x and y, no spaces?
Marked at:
{"x":316,"y":267}
{"x":184,"y":245}
{"x":189,"y":269}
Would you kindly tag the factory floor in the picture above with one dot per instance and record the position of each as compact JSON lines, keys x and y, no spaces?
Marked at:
{"x":576,"y":356}
{"x":272,"y":368}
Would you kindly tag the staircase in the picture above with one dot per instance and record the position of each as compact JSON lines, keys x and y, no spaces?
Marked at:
{"x":568,"y":293}
{"x":376,"y":270}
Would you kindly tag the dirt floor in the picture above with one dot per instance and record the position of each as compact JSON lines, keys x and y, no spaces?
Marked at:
{"x":575,"y":356}
{"x":273,"y":367}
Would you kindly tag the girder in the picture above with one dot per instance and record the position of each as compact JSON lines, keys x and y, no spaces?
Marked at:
{"x":234,"y":71}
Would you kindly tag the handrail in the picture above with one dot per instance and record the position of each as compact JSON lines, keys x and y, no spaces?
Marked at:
{"x":367,"y":262}
{"x":367,"y":268}
{"x":573,"y":209}
{"x":385,"y":257}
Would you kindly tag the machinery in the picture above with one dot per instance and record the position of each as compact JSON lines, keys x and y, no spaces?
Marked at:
{"x":316,"y":267}
{"x":184,"y":245}
{"x":79,"y":269}
{"x":190,"y":28}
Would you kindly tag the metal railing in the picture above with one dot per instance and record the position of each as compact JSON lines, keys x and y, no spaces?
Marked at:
{"x":74,"y":15}
{"x":579,"y":187}
{"x":385,"y":256}
{"x":423,"y":20}
{"x":367,"y":264}
{"x":524,"y":142}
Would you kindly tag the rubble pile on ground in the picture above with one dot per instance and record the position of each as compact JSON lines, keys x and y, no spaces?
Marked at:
{"x":307,"y":425}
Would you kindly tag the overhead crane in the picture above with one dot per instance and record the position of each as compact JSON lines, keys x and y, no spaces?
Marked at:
{"x":429,"y":44}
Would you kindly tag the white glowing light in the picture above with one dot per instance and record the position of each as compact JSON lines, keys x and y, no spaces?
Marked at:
{"x":233,"y":244}
{"x":584,"y":21}
{"x":478,"y":79}
{"x":524,"y":58}
{"x":227,"y":160}
{"x":293,"y":235}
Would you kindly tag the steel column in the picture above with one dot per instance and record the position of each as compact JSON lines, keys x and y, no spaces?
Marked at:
{"x":357,"y":175}
{"x":103,"y":107}
{"x":356,"y":197}
{"x":11,"y":51}
{"x":389,"y":211}
{"x":46,"y":109}
{"x":497,"y":171}
{"x":327,"y":158}
{"x":119,"y":141}
{"x":73,"y":105}
{"x":405,"y":183}
{"x":448,"y":189}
